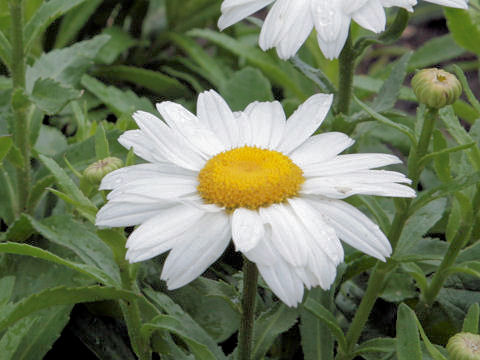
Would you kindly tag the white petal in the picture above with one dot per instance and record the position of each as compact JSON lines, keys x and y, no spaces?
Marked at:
{"x":266,"y":124}
{"x":320,"y":148}
{"x":407,"y":4}
{"x":128,"y":213}
{"x":322,"y":234}
{"x":332,"y":25}
{"x":353,"y":227}
{"x":288,"y":235}
{"x":142,"y":145}
{"x":284,"y":282}
{"x":142,"y":171}
{"x":190,"y":127}
{"x":191,"y":257}
{"x":282,"y":28}
{"x":235,"y":10}
{"x":349,"y":163}
{"x":462,"y":4}
{"x":161,"y":232}
{"x":371,"y":16}
{"x":171,"y":145}
{"x":247,"y":229}
{"x":216,"y":115}
{"x":304,"y":121}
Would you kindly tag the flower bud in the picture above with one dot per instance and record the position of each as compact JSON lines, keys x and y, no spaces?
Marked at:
{"x":96,"y":171}
{"x":464,"y":346}
{"x":436,"y":88}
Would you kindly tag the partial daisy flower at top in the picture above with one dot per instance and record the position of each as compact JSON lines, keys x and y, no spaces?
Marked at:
{"x":253,"y":177}
{"x":289,"y":22}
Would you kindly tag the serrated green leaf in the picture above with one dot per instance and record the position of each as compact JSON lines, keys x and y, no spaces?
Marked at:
{"x":119,"y":41}
{"x":65,"y":66}
{"x":60,"y":296}
{"x":171,"y":324}
{"x":44,"y":16}
{"x":463,"y":28}
{"x":152,"y":80}
{"x":50,"y":141}
{"x":470,"y":324}
{"x":51,"y":96}
{"x":327,"y":317}
{"x":408,"y":340}
{"x":269,"y":325}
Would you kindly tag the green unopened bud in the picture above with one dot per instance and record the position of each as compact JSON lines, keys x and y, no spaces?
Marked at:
{"x":464,"y":346}
{"x":95,"y":172}
{"x":436,"y":88}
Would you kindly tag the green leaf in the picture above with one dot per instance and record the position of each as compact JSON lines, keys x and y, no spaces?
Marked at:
{"x":246,"y":86}
{"x":418,"y":225}
{"x":470,"y":324}
{"x":281,"y":76}
{"x":6,"y":288}
{"x":44,"y":16}
{"x":317,"y":340}
{"x":269,"y":325}
{"x":152,"y":80}
{"x":65,"y":66}
{"x":11,"y":340}
{"x":51,"y":96}
{"x":28,"y":250}
{"x":408,"y":340}
{"x":378,"y":345}
{"x":119,"y":41}
{"x":192,"y":329}
{"x":73,"y":22}
{"x":69,"y":188}
{"x":390,"y":91}
{"x":466,"y":88}
{"x":459,"y":133}
{"x":120,"y":102}
{"x":5,"y":50}
{"x":434,"y":52}
{"x":60,"y":296}
{"x":171,"y":324}
{"x":20,"y":230}
{"x":50,"y":141}
{"x":327,"y":317}
{"x":6,"y":143}
{"x":464,"y":29}
{"x":101,"y":143}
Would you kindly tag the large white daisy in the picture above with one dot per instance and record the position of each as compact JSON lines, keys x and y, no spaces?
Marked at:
{"x":252,"y":177}
{"x":289,"y":22}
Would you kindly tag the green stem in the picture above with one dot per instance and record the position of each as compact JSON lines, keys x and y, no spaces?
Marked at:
{"x":22,"y":133}
{"x":245,"y":335}
{"x":440,"y":276}
{"x":131,"y":313}
{"x":346,"y":71}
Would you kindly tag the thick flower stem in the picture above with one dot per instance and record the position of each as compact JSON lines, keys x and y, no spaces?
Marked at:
{"x":131,"y":313}
{"x":346,"y":72}
{"x":22,"y":133}
{"x":245,"y":335}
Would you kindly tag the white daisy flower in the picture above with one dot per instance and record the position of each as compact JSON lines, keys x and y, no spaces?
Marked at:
{"x":289,"y":22}
{"x":252,"y":177}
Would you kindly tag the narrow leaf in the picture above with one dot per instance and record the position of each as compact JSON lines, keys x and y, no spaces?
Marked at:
{"x":408,"y":340}
{"x":470,"y":324}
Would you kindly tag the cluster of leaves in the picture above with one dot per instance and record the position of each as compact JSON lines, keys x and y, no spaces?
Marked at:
{"x":92,"y":63}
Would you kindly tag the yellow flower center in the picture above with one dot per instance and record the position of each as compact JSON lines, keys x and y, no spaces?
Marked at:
{"x":249,"y":177}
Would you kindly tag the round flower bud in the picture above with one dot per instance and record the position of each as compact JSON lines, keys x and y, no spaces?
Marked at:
{"x":96,"y":171}
{"x":436,"y":88}
{"x":464,"y":346}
